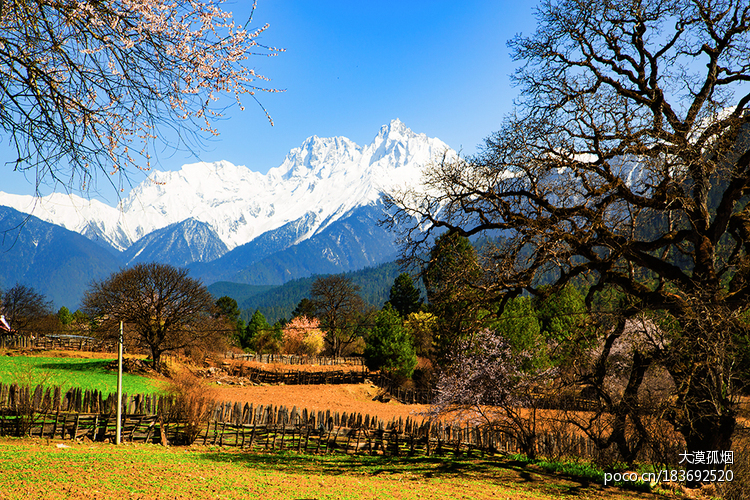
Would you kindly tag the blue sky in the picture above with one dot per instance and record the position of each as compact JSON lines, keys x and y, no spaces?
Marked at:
{"x":442,"y":67}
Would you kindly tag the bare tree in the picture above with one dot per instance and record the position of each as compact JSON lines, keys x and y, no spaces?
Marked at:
{"x":91,"y":86}
{"x":627,"y":165}
{"x":162,"y":306}
{"x":25,"y":310}
{"x":340,"y":309}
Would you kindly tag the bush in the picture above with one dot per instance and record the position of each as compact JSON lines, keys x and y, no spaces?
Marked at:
{"x":190,"y":410}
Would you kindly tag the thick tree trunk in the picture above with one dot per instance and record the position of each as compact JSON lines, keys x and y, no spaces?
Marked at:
{"x":707,"y":429}
{"x":630,"y":441}
{"x":704,"y":414}
{"x":156,"y":360}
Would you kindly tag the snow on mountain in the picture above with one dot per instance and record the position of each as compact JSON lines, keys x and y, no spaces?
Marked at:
{"x":178,"y":244}
{"x":92,"y":218}
{"x":318,"y":182}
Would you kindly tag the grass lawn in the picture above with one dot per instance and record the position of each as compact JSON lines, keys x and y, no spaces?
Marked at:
{"x":35,"y":468}
{"x":71,"y":372}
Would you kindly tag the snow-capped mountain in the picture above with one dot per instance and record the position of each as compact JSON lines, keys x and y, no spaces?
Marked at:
{"x":317,"y":184}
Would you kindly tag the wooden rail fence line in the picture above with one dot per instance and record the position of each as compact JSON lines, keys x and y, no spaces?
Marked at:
{"x":56,"y":342}
{"x":290,"y":359}
{"x":299,"y":377}
{"x":15,"y":398}
{"x":77,"y":414}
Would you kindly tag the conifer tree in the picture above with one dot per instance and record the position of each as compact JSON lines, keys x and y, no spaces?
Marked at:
{"x":404,"y":296}
{"x":389,"y":346}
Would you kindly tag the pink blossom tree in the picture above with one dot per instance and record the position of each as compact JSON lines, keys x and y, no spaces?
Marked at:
{"x":302,"y":335}
{"x":91,"y":86}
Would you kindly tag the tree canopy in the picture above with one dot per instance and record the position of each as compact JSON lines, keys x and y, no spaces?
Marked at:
{"x":65,"y":316}
{"x":259,"y":335}
{"x":404,"y":296}
{"x":228,"y":309}
{"x":25,"y":309}
{"x":490,"y":383}
{"x":389,"y":346}
{"x":450,"y":277}
{"x":160,"y":304}
{"x":625,"y":167}
{"x":92,"y":86}
{"x":340,"y":310}
{"x":302,"y":336}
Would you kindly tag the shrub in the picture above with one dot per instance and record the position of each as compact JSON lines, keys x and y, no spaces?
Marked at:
{"x":190,"y":410}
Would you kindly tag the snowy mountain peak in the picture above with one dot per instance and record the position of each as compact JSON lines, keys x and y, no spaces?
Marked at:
{"x":395,"y":130}
{"x":319,"y":157}
{"x":318,"y":182}
{"x":396,"y":146}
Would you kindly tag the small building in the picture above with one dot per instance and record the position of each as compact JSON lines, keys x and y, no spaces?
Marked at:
{"x":4,"y":326}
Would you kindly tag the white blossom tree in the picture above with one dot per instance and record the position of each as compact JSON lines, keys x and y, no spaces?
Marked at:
{"x":490,"y":385}
{"x":91,"y":86}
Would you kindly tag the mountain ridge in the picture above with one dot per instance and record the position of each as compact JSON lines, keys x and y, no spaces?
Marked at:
{"x":316,"y":213}
{"x":320,"y":181}
{"x":53,"y":260}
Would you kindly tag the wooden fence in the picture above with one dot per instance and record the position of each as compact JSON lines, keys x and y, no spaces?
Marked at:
{"x":289,"y":359}
{"x":56,"y":342}
{"x":79,"y":415}
{"x":299,"y":377}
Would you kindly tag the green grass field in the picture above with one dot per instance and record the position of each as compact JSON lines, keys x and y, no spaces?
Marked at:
{"x":35,"y":468}
{"x":71,"y":372}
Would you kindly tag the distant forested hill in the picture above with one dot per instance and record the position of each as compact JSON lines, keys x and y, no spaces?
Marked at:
{"x":374,"y":282}
{"x":54,"y":261}
{"x":238,"y":291}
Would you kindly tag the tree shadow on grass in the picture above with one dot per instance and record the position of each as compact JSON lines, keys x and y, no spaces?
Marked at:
{"x":352,"y":464}
{"x":495,"y":470}
{"x":76,"y":366}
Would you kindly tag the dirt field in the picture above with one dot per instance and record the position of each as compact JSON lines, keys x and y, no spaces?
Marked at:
{"x":342,"y":398}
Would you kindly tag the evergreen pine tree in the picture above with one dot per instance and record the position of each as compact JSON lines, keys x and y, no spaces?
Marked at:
{"x":389,"y":346}
{"x":255,"y":330}
{"x":404,"y":296}
{"x":450,"y":279}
